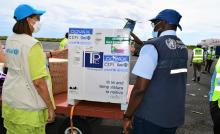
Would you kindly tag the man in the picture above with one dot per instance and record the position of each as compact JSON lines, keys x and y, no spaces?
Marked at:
{"x":157,"y":101}
{"x":209,"y":60}
{"x":214,"y":98}
{"x":64,"y":42}
{"x":197,"y":60}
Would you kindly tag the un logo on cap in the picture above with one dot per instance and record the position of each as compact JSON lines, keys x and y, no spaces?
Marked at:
{"x":171,"y":43}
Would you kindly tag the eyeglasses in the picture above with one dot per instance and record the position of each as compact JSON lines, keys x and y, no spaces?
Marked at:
{"x":154,"y":23}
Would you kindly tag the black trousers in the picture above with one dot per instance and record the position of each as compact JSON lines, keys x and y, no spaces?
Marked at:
{"x":208,"y":65}
{"x":215,"y":113}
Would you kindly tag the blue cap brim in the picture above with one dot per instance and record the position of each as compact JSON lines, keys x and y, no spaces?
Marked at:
{"x":39,"y":12}
{"x":152,"y":20}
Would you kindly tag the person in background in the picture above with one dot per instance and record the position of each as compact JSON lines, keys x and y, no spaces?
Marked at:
{"x":64,"y":42}
{"x":214,"y":98}
{"x":27,"y":99}
{"x":210,"y":55}
{"x":160,"y":87}
{"x":197,"y":60}
{"x":2,"y":66}
{"x":2,"y":55}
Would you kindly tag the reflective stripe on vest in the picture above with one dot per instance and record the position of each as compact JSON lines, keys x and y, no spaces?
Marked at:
{"x":176,"y":71}
{"x":197,"y":55}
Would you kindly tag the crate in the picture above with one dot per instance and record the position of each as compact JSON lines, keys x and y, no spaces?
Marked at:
{"x":58,"y":72}
{"x":61,"y":54}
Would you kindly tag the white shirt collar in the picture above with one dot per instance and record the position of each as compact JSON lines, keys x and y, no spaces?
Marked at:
{"x":168,"y":32}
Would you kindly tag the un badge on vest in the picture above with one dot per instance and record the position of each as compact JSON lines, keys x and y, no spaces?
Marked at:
{"x":171,"y":43}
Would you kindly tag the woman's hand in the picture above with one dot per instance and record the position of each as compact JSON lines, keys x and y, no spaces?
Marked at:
{"x":51,"y":115}
{"x":42,"y":89}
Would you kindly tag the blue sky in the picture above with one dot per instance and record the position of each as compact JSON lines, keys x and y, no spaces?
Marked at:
{"x":200,"y":17}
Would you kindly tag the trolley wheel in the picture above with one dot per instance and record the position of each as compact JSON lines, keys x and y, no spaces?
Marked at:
{"x":81,"y":126}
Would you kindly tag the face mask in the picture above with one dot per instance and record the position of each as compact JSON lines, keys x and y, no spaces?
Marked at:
{"x":154,"y":34}
{"x":36,"y":27}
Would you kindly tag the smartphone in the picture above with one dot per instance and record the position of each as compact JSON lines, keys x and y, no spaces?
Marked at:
{"x":130,"y":24}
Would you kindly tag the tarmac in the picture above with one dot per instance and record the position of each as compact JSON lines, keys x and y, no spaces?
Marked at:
{"x":197,"y":115}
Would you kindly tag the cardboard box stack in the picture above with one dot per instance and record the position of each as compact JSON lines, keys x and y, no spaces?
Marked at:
{"x":58,"y":72}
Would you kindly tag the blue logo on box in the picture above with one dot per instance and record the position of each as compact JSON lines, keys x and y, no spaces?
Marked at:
{"x":93,"y":59}
{"x":116,"y":58}
{"x":80,"y":31}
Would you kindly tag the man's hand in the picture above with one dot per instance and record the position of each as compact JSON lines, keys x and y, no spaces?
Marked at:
{"x":136,"y":39}
{"x":51,"y":115}
{"x":127,"y":125}
{"x":132,"y":49}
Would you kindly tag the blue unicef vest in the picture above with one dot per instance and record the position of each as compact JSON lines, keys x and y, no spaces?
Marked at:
{"x":164,"y":100}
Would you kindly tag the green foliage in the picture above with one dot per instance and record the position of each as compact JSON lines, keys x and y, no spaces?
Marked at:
{"x":3,"y":37}
{"x":50,"y":39}
{"x":40,"y":39}
{"x":191,"y":47}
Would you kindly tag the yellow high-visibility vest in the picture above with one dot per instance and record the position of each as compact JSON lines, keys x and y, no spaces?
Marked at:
{"x":197,"y":55}
{"x":63,"y":43}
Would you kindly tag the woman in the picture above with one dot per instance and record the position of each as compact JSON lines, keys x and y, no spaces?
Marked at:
{"x":27,"y":98}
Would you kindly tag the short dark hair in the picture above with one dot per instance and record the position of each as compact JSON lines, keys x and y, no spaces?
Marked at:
{"x":199,"y":46}
{"x":173,"y":27}
{"x":22,"y":26}
{"x":66,"y":35}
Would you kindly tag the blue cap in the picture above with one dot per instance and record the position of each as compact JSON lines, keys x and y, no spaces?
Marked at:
{"x":169,"y":15}
{"x":24,"y":10}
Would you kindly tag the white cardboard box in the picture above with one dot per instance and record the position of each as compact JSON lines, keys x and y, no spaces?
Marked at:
{"x":98,"y":65}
